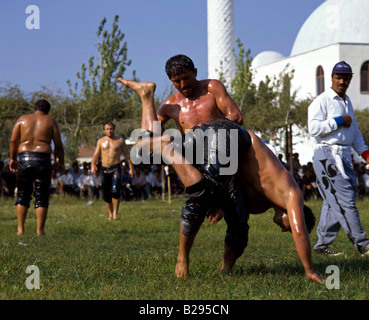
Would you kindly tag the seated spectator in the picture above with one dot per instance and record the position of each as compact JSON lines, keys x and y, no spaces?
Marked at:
{"x":176,"y":186}
{"x":66,"y":183}
{"x":55,"y":184}
{"x":85,"y":183}
{"x":75,"y":172}
{"x":149,"y":180}
{"x":157,"y":188}
{"x":96,"y":181}
{"x":9,"y":181}
{"x":138,"y":184}
{"x":126,"y":183}
{"x":309,"y":187}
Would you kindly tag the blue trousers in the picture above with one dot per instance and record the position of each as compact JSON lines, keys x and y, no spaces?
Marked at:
{"x":337,"y":185}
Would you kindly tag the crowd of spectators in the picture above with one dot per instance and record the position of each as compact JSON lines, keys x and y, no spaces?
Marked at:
{"x":78,"y":181}
{"x":149,"y":180}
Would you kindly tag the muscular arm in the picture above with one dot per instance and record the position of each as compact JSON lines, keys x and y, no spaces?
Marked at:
{"x":13,"y":146}
{"x":96,"y":157}
{"x":128,"y":158}
{"x":279,"y":187}
{"x":300,"y":234}
{"x":161,"y":114}
{"x":224,"y":102}
{"x":59,"y":149}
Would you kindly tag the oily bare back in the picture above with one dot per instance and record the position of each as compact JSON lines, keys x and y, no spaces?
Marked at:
{"x":265,"y":180}
{"x":36,"y":133}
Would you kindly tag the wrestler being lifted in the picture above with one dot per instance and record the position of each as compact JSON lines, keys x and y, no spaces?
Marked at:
{"x":197,"y":104}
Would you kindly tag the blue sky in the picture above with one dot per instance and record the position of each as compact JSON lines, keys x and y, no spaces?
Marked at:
{"x":154,"y":30}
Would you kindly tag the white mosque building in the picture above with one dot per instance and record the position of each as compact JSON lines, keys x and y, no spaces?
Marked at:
{"x":337,"y":30}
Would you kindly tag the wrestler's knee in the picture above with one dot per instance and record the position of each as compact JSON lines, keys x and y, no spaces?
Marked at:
{"x":41,"y":203}
{"x":200,"y":197}
{"x":115,"y":194}
{"x":238,"y":245}
{"x":190,"y":221}
{"x":237,"y":239}
{"x":23,"y":201}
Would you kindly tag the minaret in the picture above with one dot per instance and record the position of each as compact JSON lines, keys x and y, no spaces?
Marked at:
{"x":221,"y":39}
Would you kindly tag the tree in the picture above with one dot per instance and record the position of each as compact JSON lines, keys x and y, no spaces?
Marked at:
{"x":96,"y":97}
{"x":362,"y":117}
{"x":13,"y":104}
{"x":269,"y":108}
{"x":243,"y":90}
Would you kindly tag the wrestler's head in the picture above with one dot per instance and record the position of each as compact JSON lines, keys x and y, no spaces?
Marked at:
{"x":182,"y":72}
{"x":42,"y":105}
{"x":281,"y":219}
{"x":109,"y":129}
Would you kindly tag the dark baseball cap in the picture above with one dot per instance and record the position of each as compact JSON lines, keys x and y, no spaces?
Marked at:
{"x":342,"y":67}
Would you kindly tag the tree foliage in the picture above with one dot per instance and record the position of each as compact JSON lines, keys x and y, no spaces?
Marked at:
{"x":13,"y":104}
{"x":270,"y":105}
{"x":96,"y":96}
{"x":362,"y":117}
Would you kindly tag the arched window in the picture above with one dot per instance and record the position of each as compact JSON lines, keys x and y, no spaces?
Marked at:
{"x":364,"y":77}
{"x":319,"y":80}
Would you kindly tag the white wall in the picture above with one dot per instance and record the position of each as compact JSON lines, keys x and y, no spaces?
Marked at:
{"x":305,"y":66}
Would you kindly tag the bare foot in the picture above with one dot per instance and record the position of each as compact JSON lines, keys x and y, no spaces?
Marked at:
{"x":182,"y":267}
{"x":228,"y":259}
{"x":20,"y":232}
{"x":143,"y":89}
{"x":226,"y":269}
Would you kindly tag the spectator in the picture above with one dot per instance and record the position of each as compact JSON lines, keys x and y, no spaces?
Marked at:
{"x":9,"y":180}
{"x":157,"y":188}
{"x":126,"y":183}
{"x":75,"y":172}
{"x":96,"y":181}
{"x":176,"y":186}
{"x":66,"y":183}
{"x":296,"y":161}
{"x":309,"y":189}
{"x":149,"y":180}
{"x":280,"y":158}
{"x":85,"y":183}
{"x":55,"y":184}
{"x":138,"y":184}
{"x":297,"y":177}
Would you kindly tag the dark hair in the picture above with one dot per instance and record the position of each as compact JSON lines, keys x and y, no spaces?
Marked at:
{"x":109,"y":123}
{"x":178,"y":64}
{"x":309,"y":218}
{"x":42,"y":105}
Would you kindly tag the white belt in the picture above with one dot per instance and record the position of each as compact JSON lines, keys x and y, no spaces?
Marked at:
{"x":338,"y":153}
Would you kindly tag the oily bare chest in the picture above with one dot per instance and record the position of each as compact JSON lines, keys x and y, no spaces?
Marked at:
{"x":189,"y":113}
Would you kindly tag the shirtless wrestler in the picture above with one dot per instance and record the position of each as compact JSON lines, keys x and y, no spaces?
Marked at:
{"x":206,"y":100}
{"x":110,"y":148}
{"x":34,"y":134}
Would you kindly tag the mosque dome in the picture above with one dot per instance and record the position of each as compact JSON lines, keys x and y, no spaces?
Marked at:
{"x":266,"y":57}
{"x":332,"y":22}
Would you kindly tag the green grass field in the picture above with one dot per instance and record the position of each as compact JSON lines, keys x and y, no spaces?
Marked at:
{"x":84,"y":256}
